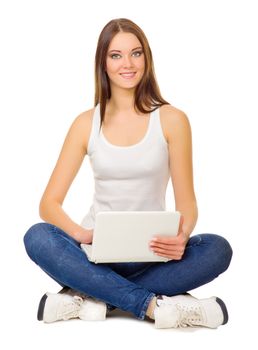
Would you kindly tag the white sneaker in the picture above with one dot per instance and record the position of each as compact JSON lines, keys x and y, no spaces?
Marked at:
{"x":68,"y":304}
{"x":185,"y":310}
{"x":56,"y":307}
{"x":91,"y":309}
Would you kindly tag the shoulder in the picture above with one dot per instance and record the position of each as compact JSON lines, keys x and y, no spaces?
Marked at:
{"x":84,"y":119}
{"x":81,"y":126}
{"x":174,"y":122}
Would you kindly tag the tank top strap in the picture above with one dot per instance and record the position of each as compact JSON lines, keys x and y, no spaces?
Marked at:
{"x":94,"y":134}
{"x":156,"y":131}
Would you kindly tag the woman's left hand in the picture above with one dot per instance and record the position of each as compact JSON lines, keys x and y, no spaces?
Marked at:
{"x":170,"y":247}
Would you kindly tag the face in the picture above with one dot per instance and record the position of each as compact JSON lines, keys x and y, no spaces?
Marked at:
{"x":125,"y":61}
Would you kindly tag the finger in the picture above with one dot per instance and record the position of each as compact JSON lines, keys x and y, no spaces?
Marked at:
{"x":163,"y":251}
{"x":164,"y":246}
{"x":169,"y":252}
{"x":165,"y":240}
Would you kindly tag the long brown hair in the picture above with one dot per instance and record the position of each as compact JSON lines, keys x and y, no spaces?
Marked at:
{"x":147,"y":95}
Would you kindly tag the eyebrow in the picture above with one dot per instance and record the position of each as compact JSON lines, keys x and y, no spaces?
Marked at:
{"x":140,"y":47}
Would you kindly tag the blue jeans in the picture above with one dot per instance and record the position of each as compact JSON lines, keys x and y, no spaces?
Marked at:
{"x":127,"y":286}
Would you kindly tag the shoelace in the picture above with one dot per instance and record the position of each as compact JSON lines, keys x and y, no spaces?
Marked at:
{"x":84,"y":297}
{"x":189,"y":316}
{"x":71,"y":309}
{"x":74,"y":293}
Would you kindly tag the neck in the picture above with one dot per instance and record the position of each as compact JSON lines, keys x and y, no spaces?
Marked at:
{"x":122,"y":100}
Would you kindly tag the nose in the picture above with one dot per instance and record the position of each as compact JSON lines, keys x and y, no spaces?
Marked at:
{"x":127,"y":62}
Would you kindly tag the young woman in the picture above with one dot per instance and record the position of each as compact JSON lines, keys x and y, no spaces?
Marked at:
{"x":135,"y":140}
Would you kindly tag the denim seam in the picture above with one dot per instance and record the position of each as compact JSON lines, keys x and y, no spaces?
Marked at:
{"x":145,"y":306}
{"x":196,"y":243}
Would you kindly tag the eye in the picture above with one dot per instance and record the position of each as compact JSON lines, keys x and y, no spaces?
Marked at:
{"x":137,"y":53}
{"x":114,"y":54}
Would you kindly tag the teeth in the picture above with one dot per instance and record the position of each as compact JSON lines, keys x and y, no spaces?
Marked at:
{"x":128,"y":74}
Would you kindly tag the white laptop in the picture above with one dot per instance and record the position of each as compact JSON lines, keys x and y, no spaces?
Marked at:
{"x":124,"y":236}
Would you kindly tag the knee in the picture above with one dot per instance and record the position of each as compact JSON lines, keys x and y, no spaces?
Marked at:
{"x":33,"y":238}
{"x":223,"y":251}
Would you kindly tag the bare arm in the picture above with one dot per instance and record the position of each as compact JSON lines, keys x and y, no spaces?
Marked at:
{"x":178,"y":132}
{"x":68,"y":164}
{"x":181,"y":168}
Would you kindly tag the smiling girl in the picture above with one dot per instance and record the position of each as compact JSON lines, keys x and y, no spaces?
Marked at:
{"x":136,"y":141}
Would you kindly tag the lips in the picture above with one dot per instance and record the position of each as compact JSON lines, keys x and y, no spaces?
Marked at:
{"x":128,"y":75}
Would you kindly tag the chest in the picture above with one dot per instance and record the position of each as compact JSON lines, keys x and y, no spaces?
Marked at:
{"x":125,"y":132}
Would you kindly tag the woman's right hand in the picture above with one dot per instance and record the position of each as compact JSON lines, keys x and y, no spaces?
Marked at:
{"x":84,"y":236}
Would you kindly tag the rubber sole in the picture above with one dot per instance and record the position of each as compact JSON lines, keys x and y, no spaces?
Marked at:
{"x":43,"y":302}
{"x":41,"y":307}
{"x":224,"y":309}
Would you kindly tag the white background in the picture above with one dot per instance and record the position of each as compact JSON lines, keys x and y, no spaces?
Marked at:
{"x":205,"y":55}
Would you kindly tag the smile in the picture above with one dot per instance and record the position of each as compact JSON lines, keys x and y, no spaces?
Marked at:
{"x":128,"y":75}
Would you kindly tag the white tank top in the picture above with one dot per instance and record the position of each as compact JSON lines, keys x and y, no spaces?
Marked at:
{"x":128,"y":177}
